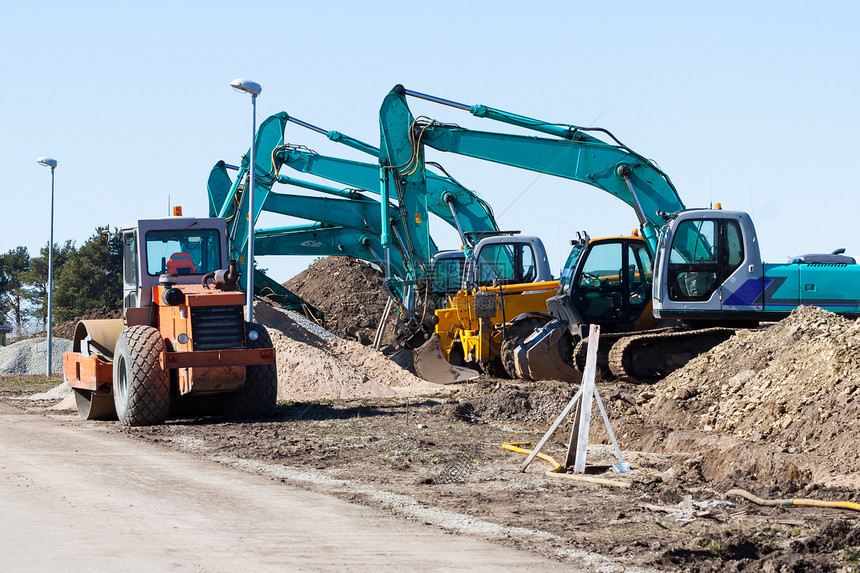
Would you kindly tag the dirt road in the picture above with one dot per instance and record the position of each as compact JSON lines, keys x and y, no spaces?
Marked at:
{"x":77,"y":499}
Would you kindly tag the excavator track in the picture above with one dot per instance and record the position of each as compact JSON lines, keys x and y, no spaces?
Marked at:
{"x":605,"y":345}
{"x":647,"y":357}
{"x":580,"y":351}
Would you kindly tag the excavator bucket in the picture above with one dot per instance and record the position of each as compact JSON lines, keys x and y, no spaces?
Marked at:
{"x":546,"y":355}
{"x":430,"y":364}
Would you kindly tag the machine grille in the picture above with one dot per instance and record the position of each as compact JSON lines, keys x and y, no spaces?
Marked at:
{"x":217,"y":327}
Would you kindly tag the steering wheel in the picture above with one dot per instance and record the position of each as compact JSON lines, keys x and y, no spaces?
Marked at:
{"x":588,"y":279}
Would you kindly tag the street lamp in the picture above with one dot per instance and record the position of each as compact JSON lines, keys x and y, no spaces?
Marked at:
{"x":253,"y":88}
{"x":52,"y":163}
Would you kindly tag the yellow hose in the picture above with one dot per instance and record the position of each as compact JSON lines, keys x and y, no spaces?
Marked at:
{"x":818,"y":503}
{"x":514,"y":447}
{"x":810,"y":502}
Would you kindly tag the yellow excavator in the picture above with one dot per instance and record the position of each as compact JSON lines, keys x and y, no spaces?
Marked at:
{"x":606,"y":280}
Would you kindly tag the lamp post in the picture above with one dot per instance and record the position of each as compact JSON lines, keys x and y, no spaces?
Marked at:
{"x":52,"y":163}
{"x":253,"y":88}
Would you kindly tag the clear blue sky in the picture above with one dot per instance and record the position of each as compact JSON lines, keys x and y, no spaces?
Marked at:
{"x":753,"y":105}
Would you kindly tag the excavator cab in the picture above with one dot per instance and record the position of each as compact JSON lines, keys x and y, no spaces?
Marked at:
{"x":710,"y":271}
{"x":706,"y":255}
{"x":605,"y":281}
{"x":446,"y":274}
{"x":505,"y":260}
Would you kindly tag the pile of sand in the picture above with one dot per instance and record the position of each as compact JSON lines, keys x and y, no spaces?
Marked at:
{"x":349,"y":292}
{"x":314,"y":368}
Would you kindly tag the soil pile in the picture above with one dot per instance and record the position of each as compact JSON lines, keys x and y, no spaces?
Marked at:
{"x":311,"y":367}
{"x":794,"y":387}
{"x":348,"y":291}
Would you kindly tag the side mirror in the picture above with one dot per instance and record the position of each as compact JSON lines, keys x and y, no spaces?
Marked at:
{"x":104,"y":235}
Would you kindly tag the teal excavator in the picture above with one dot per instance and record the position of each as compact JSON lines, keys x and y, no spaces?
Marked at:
{"x":705,"y":265}
{"x":348,"y":221}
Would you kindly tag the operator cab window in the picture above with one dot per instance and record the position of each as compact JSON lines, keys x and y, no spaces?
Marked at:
{"x":194,"y":252}
{"x":599,"y":286}
{"x":447,"y":275}
{"x":569,"y":269}
{"x":639,"y":273}
{"x":704,"y":253}
{"x":129,"y":259}
{"x":613,"y":284}
{"x":506,"y":263}
{"x":129,"y":269}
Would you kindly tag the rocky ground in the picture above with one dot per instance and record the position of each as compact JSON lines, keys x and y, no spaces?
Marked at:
{"x":771,"y":411}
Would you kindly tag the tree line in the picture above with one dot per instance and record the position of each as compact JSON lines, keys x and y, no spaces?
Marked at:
{"x":84,"y":278}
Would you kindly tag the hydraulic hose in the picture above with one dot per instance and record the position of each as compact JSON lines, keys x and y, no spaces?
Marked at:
{"x":514,"y":447}
{"x":797,"y":501}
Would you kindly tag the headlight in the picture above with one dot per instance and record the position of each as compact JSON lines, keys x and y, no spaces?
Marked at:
{"x":182,"y":338}
{"x":253,"y":335}
{"x":173,"y":297}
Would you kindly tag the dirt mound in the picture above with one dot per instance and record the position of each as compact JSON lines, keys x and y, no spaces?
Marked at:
{"x":313,"y":368}
{"x":792,"y":388}
{"x":348,"y":291}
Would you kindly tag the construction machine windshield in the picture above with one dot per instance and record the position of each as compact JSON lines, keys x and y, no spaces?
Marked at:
{"x":569,"y":268}
{"x":506,"y":263}
{"x":189,"y":252}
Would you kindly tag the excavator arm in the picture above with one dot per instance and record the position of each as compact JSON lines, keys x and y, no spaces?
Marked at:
{"x":319,"y":240}
{"x":453,"y":203}
{"x":349,"y":226}
{"x":447,"y":199}
{"x":576,"y":155}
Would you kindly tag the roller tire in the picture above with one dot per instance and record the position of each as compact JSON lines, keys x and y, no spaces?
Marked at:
{"x":141,"y":388}
{"x":258,"y":396}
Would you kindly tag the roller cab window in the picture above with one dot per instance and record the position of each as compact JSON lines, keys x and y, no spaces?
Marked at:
{"x":194,"y":252}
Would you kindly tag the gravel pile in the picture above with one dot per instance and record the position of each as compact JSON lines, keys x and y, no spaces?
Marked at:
{"x":30,"y":356}
{"x":311,"y":326}
{"x":55,"y":394}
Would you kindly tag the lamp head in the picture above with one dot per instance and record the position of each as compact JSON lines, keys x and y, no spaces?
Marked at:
{"x":247,"y":86}
{"x":47,"y":162}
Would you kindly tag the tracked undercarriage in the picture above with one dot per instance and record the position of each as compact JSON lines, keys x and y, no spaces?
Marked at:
{"x":641,"y":358}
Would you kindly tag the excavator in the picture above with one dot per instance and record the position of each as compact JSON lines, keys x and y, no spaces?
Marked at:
{"x":486,"y":322}
{"x":352,"y":212}
{"x":703,"y":265}
{"x":349,"y":222}
{"x":351,"y":209}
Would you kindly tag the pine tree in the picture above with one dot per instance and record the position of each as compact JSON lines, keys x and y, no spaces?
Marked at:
{"x":14,"y":266}
{"x":91,"y":278}
{"x":36,"y":279}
